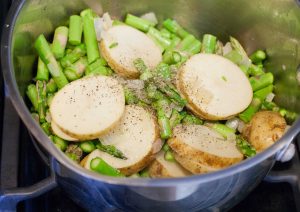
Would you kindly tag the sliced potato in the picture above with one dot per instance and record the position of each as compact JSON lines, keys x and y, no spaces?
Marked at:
{"x":215,"y":87}
{"x":89,"y":107}
{"x":57,"y":131}
{"x":136,"y":136}
{"x":162,"y":168}
{"x":193,"y":166}
{"x":203,"y":145}
{"x":130,"y":44}
{"x":264,"y":129}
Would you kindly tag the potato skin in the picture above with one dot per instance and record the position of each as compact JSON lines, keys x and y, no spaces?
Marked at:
{"x":156,"y":170}
{"x":264,"y":129}
{"x":185,"y":151}
{"x":194,"y":167}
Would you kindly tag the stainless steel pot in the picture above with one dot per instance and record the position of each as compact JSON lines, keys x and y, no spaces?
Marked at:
{"x":273,"y":25}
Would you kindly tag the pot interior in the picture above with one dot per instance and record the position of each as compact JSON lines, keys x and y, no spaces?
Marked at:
{"x":272,"y":25}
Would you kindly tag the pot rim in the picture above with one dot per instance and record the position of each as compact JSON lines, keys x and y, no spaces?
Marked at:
{"x":43,"y":140}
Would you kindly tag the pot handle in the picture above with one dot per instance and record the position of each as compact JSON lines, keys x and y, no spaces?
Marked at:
{"x":10,"y":194}
{"x":9,"y":198}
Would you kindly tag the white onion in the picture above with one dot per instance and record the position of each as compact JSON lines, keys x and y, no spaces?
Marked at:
{"x":233,"y":123}
{"x":150,"y":17}
{"x":227,"y":48}
{"x":241,"y":126}
{"x":102,"y":25}
{"x":270,"y":97}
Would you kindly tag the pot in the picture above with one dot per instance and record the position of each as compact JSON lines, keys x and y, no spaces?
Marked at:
{"x":272,"y":25}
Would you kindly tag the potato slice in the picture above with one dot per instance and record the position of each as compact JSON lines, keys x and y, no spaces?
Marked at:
{"x":162,"y":168}
{"x":136,"y":136}
{"x":89,"y":107}
{"x":215,"y":87}
{"x":129,"y":44}
{"x":203,"y":145}
{"x":264,"y":129}
{"x":193,"y":166}
{"x":57,"y":131}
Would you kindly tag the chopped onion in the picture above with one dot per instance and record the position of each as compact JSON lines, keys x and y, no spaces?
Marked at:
{"x":102,"y":25}
{"x":227,"y":48}
{"x":241,"y":126}
{"x":270,"y":97}
{"x":233,"y":123}
{"x":150,"y":17}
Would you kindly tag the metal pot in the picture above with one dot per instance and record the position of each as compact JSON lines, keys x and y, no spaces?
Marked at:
{"x":273,"y":25}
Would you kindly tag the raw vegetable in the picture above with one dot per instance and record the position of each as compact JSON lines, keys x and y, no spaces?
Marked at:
{"x":100,"y":100}
{"x":201,"y":82}
{"x":132,"y":44}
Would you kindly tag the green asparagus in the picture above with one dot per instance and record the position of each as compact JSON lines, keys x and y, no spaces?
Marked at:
{"x":48,"y":58}
{"x":72,"y":57}
{"x":110,"y":149}
{"x":100,"y":166}
{"x":42,"y":71}
{"x":89,"y":33}
{"x":60,"y":41}
{"x":139,"y":23}
{"x":75,"y":30}
{"x":209,"y":44}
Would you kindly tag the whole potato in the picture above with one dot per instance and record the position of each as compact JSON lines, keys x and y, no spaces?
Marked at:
{"x":265,"y":128}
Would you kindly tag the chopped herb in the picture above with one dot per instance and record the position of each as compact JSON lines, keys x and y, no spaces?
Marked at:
{"x":113,"y":45}
{"x":224,"y":78}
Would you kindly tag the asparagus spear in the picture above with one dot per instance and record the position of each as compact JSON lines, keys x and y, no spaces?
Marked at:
{"x":60,"y":41}
{"x":46,"y":128}
{"x":51,"y":86}
{"x":42,"y":71}
{"x":191,"y":119}
{"x":169,"y":156}
{"x":175,"y":28}
{"x":75,"y":30}
{"x":176,"y":118}
{"x":139,"y":23}
{"x":76,"y":54}
{"x":110,"y":149}
{"x":163,"y":121}
{"x":89,"y":33}
{"x":255,"y":70}
{"x":264,"y":92}
{"x":76,"y":70}
{"x":223,"y":130}
{"x":261,"y":81}
{"x":234,"y":56}
{"x":48,"y":58}
{"x":155,"y":34}
{"x":33,"y":96}
{"x":186,"y":42}
{"x":41,"y":99}
{"x":50,"y":97}
{"x":251,"y":110}
{"x":98,"y":67}
{"x":130,"y":97}
{"x":209,"y":43}
{"x":87,"y":146}
{"x":245,"y":147}
{"x":100,"y":166}
{"x":258,"y":56}
{"x":194,"y":47}
{"x":61,"y":144}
